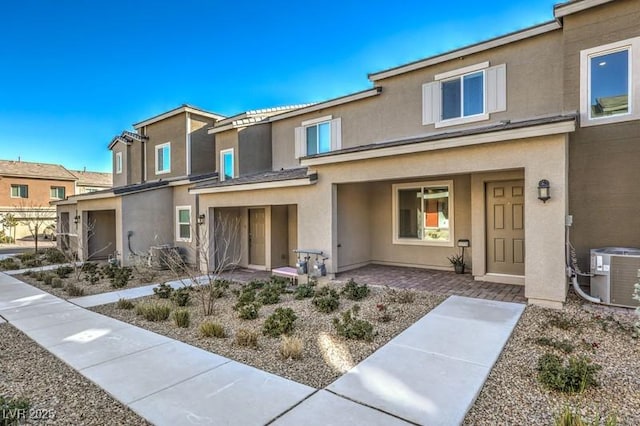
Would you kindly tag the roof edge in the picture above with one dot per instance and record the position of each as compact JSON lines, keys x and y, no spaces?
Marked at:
{"x":563,"y":9}
{"x":468,"y":50}
{"x":175,"y":111}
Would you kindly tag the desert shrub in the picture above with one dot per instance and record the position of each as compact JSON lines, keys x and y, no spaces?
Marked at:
{"x":246,"y":337}
{"x":353,"y":291}
{"x":256,"y":284}
{"x":280,"y":322}
{"x":125,"y":304}
{"x":73,"y":290}
{"x":142,"y":269}
{"x":399,"y":296}
{"x":92,"y":275}
{"x":28,"y":256}
{"x":88,"y":267}
{"x":270,"y":293}
{"x":326,"y":300}
{"x":64,"y":271}
{"x":153,"y":311}
{"x":181,"y":296}
{"x":291,"y":347}
{"x":109,"y":270}
{"x":569,"y":418}
{"x":56,"y":282}
{"x":9,"y":264}
{"x":27,"y":273}
{"x":212,"y":329}
{"x":52,"y":256}
{"x":351,"y":327}
{"x":47,"y":278}
{"x":574,"y":377}
{"x":38,"y":275}
{"x":248,"y":311}
{"x":383,"y":313}
{"x":562,"y":345}
{"x":304,"y":291}
{"x":246,"y":296}
{"x":182,"y":318}
{"x":563,"y":322}
{"x":11,"y":410}
{"x":121,"y":277}
{"x":31,"y":263}
{"x":163,"y":291}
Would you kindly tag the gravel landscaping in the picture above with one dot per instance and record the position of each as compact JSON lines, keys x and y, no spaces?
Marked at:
{"x":325,"y":355}
{"x":57,"y":394}
{"x":513,"y":395}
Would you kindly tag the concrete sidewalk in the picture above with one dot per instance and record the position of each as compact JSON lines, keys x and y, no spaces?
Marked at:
{"x":429,"y":374}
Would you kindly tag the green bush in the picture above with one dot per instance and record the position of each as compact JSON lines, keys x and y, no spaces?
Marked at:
{"x":64,"y":271}
{"x":57,"y":282}
{"x":246,"y":296}
{"x":121,"y":277}
{"x":563,"y":345}
{"x":326,"y":300}
{"x":163,"y":291}
{"x":249,"y":311}
{"x":47,"y":278}
{"x":353,"y":291}
{"x":280,"y":322}
{"x":108,"y":270}
{"x":351,"y":327}
{"x":73,"y":290}
{"x":245,"y":337}
{"x":181,"y":296}
{"x":182,"y":318}
{"x":92,"y":275}
{"x":31,"y":263}
{"x":9,"y":264}
{"x":27,"y":273}
{"x":53,"y":256}
{"x":270,"y":294}
{"x":152,"y":311}
{"x":575,"y":377}
{"x":568,"y":418}
{"x":39,"y":275}
{"x":212,"y":329}
{"x":256,"y":284}
{"x":28,"y":256}
{"x":11,"y":409}
{"x":304,"y":291}
{"x":125,"y":304}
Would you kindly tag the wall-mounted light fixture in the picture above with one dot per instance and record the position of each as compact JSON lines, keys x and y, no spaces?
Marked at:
{"x":201,"y":219}
{"x":543,"y":190}
{"x":76,"y":219}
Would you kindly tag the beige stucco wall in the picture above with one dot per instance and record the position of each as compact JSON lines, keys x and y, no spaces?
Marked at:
{"x":254,"y":149}
{"x":279,"y":236}
{"x":121,"y":179}
{"x":202,"y":145}
{"x":81,"y":209}
{"x":173,"y":130}
{"x":397,"y":111}
{"x":227,"y":140}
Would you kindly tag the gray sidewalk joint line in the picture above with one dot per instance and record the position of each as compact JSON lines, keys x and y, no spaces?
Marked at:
{"x":372,"y":407}
{"x":122,"y":356}
{"x":440,"y":355}
{"x":130,"y":403}
{"x":292,"y":407}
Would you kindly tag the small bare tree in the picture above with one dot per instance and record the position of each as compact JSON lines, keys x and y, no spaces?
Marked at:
{"x":215,"y":249}
{"x":10,"y":222}
{"x":37,"y":217}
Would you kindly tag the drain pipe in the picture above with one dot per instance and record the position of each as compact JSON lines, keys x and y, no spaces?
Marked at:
{"x":572,"y":272}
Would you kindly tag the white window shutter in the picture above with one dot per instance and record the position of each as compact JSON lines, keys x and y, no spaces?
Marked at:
{"x":300,"y":143}
{"x":430,"y":103}
{"x":496,"y":88}
{"x":336,"y":134}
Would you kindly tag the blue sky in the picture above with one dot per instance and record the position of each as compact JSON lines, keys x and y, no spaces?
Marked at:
{"x":73,"y":74}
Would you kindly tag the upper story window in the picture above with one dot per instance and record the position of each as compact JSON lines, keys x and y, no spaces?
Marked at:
{"x":609,"y":83}
{"x":318,"y":136}
{"x":57,"y":192}
{"x":423,"y":213}
{"x":163,"y":158}
{"x":118,"y":162}
{"x":227,"y":164}
{"x":19,"y":191}
{"x":464,"y":95}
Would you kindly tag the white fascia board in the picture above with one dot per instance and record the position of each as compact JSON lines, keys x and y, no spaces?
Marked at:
{"x":328,"y":104}
{"x":478,"y":139}
{"x":465,"y":51}
{"x":254,"y":186}
{"x":565,"y":9}
{"x":85,"y":197}
{"x":177,"y":111}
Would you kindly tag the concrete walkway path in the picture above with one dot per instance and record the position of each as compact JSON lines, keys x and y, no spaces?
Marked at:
{"x":429,"y":374}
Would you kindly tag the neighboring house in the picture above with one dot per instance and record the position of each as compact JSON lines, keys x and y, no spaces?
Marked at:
{"x":91,"y":181}
{"x":448,"y":148}
{"x":26,"y":189}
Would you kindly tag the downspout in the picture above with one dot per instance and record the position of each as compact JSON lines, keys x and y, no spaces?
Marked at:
{"x":573,"y":271}
{"x":197,"y":202}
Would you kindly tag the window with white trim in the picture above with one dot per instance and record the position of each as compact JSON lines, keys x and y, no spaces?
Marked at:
{"x":318,"y":136}
{"x":609,"y":83}
{"x":19,"y":191}
{"x":464,"y":95}
{"x":57,"y":192}
{"x":183,"y":223}
{"x":118,"y":162}
{"x":163,"y":158}
{"x":423,"y":213}
{"x":227,"y":164}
